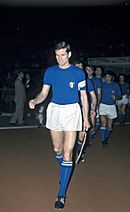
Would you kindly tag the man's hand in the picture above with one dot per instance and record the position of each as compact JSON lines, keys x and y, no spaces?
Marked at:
{"x":86,"y":125}
{"x":113,"y":97}
{"x":32,"y":103}
{"x":92,"y":113}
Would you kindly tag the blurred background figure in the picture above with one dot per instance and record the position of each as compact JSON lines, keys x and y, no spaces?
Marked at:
{"x":40,"y":115}
{"x":29,"y":85}
{"x":19,"y":99}
{"x":123,"y":103}
{"x":99,"y":73}
{"x":97,"y":84}
{"x":28,"y":94}
{"x":79,"y":156}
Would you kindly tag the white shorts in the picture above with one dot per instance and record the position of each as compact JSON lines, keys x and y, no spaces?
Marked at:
{"x":64,"y":117}
{"x":124,"y":100}
{"x":129,"y":99}
{"x":108,"y":110}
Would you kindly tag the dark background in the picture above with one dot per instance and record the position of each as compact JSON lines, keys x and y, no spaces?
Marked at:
{"x":98,"y":31}
{"x":28,"y":34}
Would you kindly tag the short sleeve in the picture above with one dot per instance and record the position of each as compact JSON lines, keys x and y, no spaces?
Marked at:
{"x":82,"y":81}
{"x":47,"y":78}
{"x":118,"y":90}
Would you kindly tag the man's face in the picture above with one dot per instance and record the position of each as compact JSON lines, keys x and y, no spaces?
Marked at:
{"x":98,"y":72}
{"x":27,"y":76}
{"x":121,"y":78}
{"x":62,"y":57}
{"x":89,"y":71}
{"x":21,"y":74}
{"x":108,"y":78}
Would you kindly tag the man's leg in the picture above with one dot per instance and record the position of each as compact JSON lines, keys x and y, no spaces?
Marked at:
{"x":14,"y":118}
{"x":97,"y":125}
{"x":66,"y":167}
{"x":91,"y":131}
{"x":20,"y":113}
{"x":57,"y":139}
{"x":103,"y":130}
{"x":121,"y":114}
{"x":80,"y":147}
{"x":67,"y":164}
{"x":108,"y":130}
{"x":124,"y":106}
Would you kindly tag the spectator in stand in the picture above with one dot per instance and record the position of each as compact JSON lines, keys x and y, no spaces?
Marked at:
{"x":29,"y":89}
{"x":19,"y":99}
{"x":122,"y":104}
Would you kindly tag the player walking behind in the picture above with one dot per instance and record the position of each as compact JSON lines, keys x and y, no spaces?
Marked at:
{"x":64,"y":116}
{"x":107,"y":109}
{"x":123,"y":103}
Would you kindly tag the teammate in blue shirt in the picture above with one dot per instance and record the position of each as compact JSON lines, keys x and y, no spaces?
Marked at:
{"x":97,"y":87}
{"x":99,"y":73}
{"x":64,"y":118}
{"x":122,"y":104}
{"x":107,"y":109}
{"x":81,"y":144}
{"x":96,"y":82}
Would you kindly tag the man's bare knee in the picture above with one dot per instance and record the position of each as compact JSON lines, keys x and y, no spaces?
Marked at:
{"x":68,"y":156}
{"x":58,"y":150}
{"x":103,"y":124}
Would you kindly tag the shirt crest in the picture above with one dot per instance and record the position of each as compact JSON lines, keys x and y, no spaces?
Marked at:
{"x":71,"y":84}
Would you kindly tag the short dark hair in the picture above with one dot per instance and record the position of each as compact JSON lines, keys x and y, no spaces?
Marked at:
{"x":101,"y":67}
{"x":63,"y":45}
{"x":122,"y":74}
{"x":20,"y":71}
{"x":78,"y":62}
{"x":109,"y":72}
{"x":90,"y":66}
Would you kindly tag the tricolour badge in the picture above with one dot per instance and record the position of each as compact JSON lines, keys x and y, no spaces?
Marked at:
{"x":71,"y":84}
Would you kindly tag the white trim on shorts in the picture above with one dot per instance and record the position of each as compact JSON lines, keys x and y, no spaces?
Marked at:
{"x":108,"y":110}
{"x":64,"y":117}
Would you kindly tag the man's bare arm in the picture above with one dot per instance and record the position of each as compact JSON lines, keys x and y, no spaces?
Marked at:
{"x":94,"y":100}
{"x":40,"y":97}
{"x":99,"y":96}
{"x":85,"y":108}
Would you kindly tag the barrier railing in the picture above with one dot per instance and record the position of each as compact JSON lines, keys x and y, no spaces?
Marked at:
{"x":117,"y":64}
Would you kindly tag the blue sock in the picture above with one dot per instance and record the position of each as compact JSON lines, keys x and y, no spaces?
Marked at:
{"x":123,"y":116}
{"x":91,"y":133}
{"x":79,"y":145}
{"x":65,"y":174}
{"x":59,"y":158}
{"x":97,"y":126}
{"x":103,"y":134}
{"x":108,"y":132}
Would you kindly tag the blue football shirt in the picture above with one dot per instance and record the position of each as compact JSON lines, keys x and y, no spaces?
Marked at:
{"x":65,"y":83}
{"x":109,"y":89}
{"x":97,"y":84}
{"x":90,"y":88}
{"x":124,"y":88}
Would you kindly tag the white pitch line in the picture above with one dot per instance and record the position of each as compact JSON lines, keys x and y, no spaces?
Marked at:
{"x":18,"y":127}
